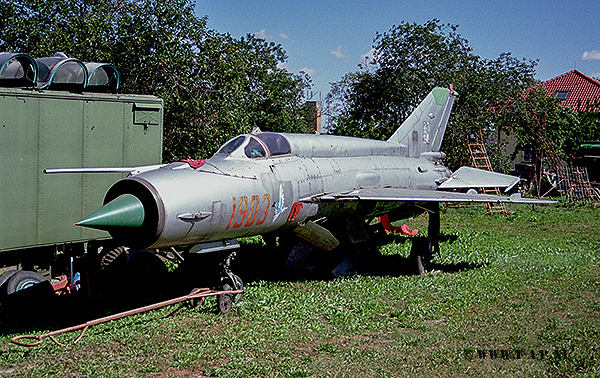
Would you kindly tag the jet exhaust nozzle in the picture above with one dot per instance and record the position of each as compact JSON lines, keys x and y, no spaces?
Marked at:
{"x":125,"y":211}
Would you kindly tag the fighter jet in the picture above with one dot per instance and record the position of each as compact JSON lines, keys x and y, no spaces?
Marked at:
{"x":318,"y":187}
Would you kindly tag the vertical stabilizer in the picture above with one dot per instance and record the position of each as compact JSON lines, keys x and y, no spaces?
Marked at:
{"x":423,"y":131}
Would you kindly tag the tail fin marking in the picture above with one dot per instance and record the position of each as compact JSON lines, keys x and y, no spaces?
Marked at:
{"x":423,"y":131}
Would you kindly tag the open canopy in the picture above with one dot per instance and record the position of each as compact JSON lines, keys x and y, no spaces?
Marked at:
{"x":256,"y":146}
{"x":17,"y":70}
{"x":102,"y":77}
{"x":62,"y":73}
{"x":57,"y":72}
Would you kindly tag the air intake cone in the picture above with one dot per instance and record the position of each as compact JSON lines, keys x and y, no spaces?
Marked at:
{"x":125,"y":211}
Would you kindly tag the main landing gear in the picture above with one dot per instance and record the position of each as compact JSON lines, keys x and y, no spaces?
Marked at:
{"x":423,"y":249}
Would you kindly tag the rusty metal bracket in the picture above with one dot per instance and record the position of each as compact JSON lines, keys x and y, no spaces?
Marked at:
{"x":39,"y":339}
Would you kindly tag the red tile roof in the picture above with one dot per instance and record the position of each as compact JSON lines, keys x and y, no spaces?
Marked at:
{"x":582,"y":90}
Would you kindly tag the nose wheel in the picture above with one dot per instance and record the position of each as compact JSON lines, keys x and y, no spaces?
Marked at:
{"x":224,"y":303}
{"x":229,"y":281}
{"x":229,"y":290}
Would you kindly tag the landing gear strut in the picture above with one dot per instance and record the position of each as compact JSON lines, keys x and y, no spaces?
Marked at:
{"x":229,"y":281}
{"x":225,"y":281}
{"x":424,"y":249}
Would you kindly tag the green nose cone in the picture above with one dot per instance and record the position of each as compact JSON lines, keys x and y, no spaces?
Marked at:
{"x":124,"y":211}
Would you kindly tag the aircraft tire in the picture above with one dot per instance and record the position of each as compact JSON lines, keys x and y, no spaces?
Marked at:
{"x":422,"y":265}
{"x":233,"y":282}
{"x":421,"y":255}
{"x":196,"y":302}
{"x":28,"y":292}
{"x":238,"y":284}
{"x":225,"y":301}
{"x":109,"y":259}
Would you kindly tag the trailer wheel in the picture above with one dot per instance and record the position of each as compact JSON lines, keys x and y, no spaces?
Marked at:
{"x":5,"y":276}
{"x":23,"y":280}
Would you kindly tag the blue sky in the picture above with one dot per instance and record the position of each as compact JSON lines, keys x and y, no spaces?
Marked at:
{"x":328,"y":39}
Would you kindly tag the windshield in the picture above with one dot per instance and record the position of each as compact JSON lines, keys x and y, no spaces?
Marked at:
{"x":231,"y":146}
{"x":276,"y":143}
{"x":257,"y":146}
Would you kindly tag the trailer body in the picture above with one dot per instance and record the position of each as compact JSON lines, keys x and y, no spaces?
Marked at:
{"x":41,"y":129}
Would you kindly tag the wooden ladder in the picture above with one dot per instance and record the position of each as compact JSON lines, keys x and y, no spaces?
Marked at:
{"x":552,"y":159}
{"x":575,"y":186}
{"x":480,"y":159}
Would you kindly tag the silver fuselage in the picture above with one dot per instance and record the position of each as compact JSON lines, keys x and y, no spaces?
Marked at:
{"x":233,"y":196}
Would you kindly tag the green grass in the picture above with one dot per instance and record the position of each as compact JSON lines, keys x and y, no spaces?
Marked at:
{"x":529,"y":282}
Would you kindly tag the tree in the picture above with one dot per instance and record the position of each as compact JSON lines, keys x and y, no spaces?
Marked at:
{"x":235,"y":87}
{"x":533,"y":116}
{"x":542,"y":126}
{"x":214,"y":86}
{"x":409,"y":61}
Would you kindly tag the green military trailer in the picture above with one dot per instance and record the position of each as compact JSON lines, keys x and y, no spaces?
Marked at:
{"x":59,"y":112}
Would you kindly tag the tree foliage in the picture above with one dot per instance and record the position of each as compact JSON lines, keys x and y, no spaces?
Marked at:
{"x":214,"y":86}
{"x":545,"y":129}
{"x":409,"y":61}
{"x":542,"y":125}
{"x":534,"y":116}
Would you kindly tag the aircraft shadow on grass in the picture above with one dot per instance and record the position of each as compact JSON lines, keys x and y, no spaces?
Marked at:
{"x":142,"y":279}
{"x":364,"y":260}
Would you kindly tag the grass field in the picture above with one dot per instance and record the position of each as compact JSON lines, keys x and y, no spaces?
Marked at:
{"x":510,"y":296}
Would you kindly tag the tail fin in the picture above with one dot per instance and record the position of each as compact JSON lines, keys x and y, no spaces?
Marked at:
{"x":423,"y":131}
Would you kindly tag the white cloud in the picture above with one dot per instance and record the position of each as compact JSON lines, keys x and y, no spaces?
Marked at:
{"x":368,"y":56}
{"x":591,"y":55}
{"x":339,"y":52}
{"x":262,"y":34}
{"x":265,"y":35}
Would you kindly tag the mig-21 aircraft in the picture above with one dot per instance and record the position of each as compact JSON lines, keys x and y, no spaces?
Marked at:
{"x":320,"y":188}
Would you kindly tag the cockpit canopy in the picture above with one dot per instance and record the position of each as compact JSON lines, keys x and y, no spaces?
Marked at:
{"x":256,"y":146}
